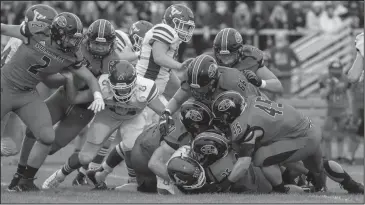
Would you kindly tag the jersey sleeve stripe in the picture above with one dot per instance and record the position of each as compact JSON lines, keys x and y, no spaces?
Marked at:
{"x":164,"y":34}
{"x":121,"y":39}
{"x":163,"y":30}
{"x":161,"y":39}
{"x":153,"y":93}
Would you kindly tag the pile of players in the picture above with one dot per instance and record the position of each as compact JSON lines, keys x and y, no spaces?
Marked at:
{"x":218,"y":133}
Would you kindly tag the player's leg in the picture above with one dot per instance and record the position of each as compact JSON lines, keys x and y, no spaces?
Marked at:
{"x":340,"y":136}
{"x":12,"y":132}
{"x":36,"y":116}
{"x":329,"y":125}
{"x":101,"y":127}
{"x":104,"y":150}
{"x":7,"y":100}
{"x":358,"y":137}
{"x":132,"y":129}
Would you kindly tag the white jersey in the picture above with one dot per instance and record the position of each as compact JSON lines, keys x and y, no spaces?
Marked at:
{"x":359,"y":42}
{"x":9,"y":50}
{"x":146,"y":91}
{"x":146,"y":65}
{"x":123,"y":40}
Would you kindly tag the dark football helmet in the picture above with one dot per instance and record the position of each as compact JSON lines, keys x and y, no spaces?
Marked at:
{"x":100,"y":38}
{"x":227,"y":106}
{"x":184,"y":170}
{"x":40,"y":12}
{"x":335,"y":67}
{"x":181,"y":18}
{"x":137,"y":32}
{"x":122,"y":79}
{"x":203,"y":76}
{"x":195,"y":116}
{"x":212,"y":145}
{"x":66,"y":31}
{"x":226,"y":46}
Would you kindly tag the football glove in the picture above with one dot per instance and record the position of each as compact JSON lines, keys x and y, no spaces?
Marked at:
{"x":165,"y":122}
{"x":252,"y":78}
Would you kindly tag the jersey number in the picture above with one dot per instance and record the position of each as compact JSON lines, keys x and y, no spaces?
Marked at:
{"x":237,"y":129}
{"x":35,"y":68}
{"x":269,"y":110}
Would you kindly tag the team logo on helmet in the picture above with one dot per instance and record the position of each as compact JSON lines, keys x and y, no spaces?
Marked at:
{"x":225,"y":105}
{"x":212,"y":70}
{"x":38,"y":16}
{"x":209,"y":149}
{"x":61,"y":21}
{"x":179,"y":181}
{"x":134,"y":28}
{"x":175,"y":11}
{"x":238,"y":37}
{"x":194,"y":115}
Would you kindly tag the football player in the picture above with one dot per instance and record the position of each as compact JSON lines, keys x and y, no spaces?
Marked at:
{"x":48,"y":50}
{"x":230,"y":51}
{"x":11,"y":123}
{"x":160,"y":48}
{"x":193,"y":118}
{"x":268,"y":134}
{"x":204,"y":80}
{"x":356,"y":71}
{"x":335,"y":89}
{"x":100,"y":46}
{"x":126,"y":95}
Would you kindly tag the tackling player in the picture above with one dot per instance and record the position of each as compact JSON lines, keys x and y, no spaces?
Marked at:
{"x":126,"y":95}
{"x":203,"y":81}
{"x":335,"y":89}
{"x":230,"y":51}
{"x":356,"y":71}
{"x":291,"y":137}
{"x":48,"y":50}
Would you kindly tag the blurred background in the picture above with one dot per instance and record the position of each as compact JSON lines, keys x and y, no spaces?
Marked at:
{"x":299,"y":38}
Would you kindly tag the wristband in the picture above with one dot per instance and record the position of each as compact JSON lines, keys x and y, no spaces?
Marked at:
{"x":97,"y":95}
{"x":263,"y":84}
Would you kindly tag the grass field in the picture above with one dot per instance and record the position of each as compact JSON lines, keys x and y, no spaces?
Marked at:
{"x":68,"y":194}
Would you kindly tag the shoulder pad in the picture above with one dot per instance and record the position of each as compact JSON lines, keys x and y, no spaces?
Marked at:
{"x":122,"y":40}
{"x":164,"y":33}
{"x":251,"y":53}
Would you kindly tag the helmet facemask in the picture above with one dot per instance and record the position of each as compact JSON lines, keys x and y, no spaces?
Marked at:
{"x":122,"y":91}
{"x":67,"y":42}
{"x":203,"y":92}
{"x":184,"y":29}
{"x":137,"y":43}
{"x":99,"y":47}
{"x":227,"y":58}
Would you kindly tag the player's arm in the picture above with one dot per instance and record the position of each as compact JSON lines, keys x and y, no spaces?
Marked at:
{"x":159,"y":158}
{"x":54,"y":81}
{"x":159,"y":52}
{"x":81,"y":71}
{"x":16,"y":31}
{"x":154,"y":101}
{"x":356,"y":69}
{"x":245,"y":154}
{"x":350,"y":100}
{"x":73,"y":95}
{"x":272,"y":83}
{"x":181,"y":95}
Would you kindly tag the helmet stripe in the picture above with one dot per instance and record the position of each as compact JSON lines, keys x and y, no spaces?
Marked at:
{"x":196,"y":69}
{"x":225,"y":39}
{"x":101,"y":28}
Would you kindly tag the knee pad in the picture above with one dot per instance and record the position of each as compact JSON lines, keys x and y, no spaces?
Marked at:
{"x":85,"y":158}
{"x":46,"y":136}
{"x":29,"y":133}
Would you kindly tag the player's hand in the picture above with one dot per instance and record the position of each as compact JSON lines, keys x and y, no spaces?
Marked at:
{"x":186,"y":63}
{"x":165,"y":122}
{"x":98,"y":104}
{"x":252,"y":78}
{"x":67,"y":74}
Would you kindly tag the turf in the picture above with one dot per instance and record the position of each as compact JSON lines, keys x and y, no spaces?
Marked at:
{"x":66,"y":193}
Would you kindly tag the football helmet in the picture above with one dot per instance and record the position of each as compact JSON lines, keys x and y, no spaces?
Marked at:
{"x":203,"y":76}
{"x":195,"y":116}
{"x":226,"y":46}
{"x":185,"y":171}
{"x":100,"y":38}
{"x":40,"y":12}
{"x":66,"y":31}
{"x":212,"y":145}
{"x":122,"y":79}
{"x":227,"y":106}
{"x":181,"y":18}
{"x":137,"y":32}
{"x":335,"y":67}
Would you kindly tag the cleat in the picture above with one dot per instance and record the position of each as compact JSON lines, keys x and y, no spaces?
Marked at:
{"x":353,"y":187}
{"x":99,"y":185}
{"x":26,"y":185}
{"x":80,"y":180}
{"x":54,"y":180}
{"x":14,"y":182}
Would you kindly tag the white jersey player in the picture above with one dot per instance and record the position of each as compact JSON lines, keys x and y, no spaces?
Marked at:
{"x":126,"y":95}
{"x":356,"y":72}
